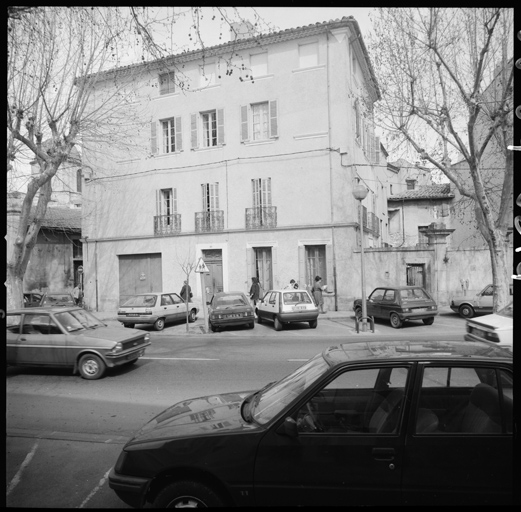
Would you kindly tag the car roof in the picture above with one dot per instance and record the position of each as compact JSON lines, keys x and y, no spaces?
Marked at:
{"x":44,"y":309}
{"x":222,"y":294}
{"x":288,"y":290}
{"x":389,"y":287}
{"x":412,"y":350}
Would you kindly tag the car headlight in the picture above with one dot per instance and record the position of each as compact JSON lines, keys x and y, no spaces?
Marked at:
{"x":406,"y":310}
{"x":120,"y":312}
{"x":116,"y":348}
{"x":147,"y":336}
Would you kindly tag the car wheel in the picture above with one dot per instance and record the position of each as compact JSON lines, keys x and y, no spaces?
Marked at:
{"x":192,"y":315}
{"x":466,"y":311}
{"x":91,"y":367}
{"x":187,"y":495}
{"x":428,"y":321}
{"x":313,"y":324}
{"x":395,"y":321}
{"x":259,"y":319}
{"x":277,"y":323}
{"x":159,"y":325}
{"x":130,"y":326}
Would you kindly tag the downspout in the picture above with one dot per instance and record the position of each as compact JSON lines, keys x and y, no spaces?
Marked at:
{"x":331,"y":172}
{"x":96,"y":270}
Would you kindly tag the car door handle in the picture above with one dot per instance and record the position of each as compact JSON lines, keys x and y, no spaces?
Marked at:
{"x":383,"y":453}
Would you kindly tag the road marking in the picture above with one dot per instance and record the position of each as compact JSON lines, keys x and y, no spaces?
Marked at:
{"x":16,"y":480}
{"x":180,"y":358}
{"x":298,"y":360}
{"x":96,"y":489}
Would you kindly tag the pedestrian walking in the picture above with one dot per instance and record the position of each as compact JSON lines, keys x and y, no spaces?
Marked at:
{"x":254,"y":290}
{"x":186,"y":292}
{"x":76,"y":294}
{"x":293,"y":285}
{"x":317,"y":294}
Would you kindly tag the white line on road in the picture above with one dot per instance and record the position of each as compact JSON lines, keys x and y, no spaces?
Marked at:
{"x":96,"y":489}
{"x":298,"y":359}
{"x":16,"y":480}
{"x":180,"y":358}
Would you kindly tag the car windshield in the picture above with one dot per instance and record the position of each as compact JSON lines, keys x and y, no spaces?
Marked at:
{"x":507,"y":311}
{"x":78,"y":319}
{"x":413,"y":294}
{"x":55,"y":298}
{"x":296,"y":298}
{"x":141,"y":301}
{"x":266,"y":404}
{"x":226,"y":301}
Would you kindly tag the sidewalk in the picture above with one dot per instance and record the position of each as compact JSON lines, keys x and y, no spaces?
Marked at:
{"x":179,"y":329}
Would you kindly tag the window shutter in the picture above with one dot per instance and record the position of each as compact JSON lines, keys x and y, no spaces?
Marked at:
{"x":158,"y":202}
{"x":377,"y":150}
{"x":204,"y":190}
{"x":153,"y":138}
{"x":220,"y":126}
{"x":178,"y":135}
{"x":214,"y":196}
{"x":274,"y":126}
{"x":193,"y":128}
{"x":266,"y":192}
{"x":174,"y":200}
{"x":255,"y":191}
{"x":244,"y":123}
{"x":302,"y":267}
{"x":329,"y":278}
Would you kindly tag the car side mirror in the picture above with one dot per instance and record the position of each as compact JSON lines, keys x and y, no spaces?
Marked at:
{"x":288,"y":428}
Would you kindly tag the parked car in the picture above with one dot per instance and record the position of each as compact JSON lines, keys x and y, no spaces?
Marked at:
{"x":479,"y":304}
{"x":287,"y":306}
{"x":70,"y":337}
{"x":365,"y":423}
{"x":59,"y":298}
{"x":230,"y":308}
{"x":399,"y":304}
{"x":497,"y":328}
{"x":156,"y":309}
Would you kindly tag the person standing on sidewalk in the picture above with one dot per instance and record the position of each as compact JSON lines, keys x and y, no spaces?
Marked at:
{"x":186,"y":292}
{"x":317,"y":294}
{"x":254,"y":291}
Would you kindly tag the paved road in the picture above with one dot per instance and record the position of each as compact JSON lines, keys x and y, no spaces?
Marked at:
{"x":65,"y":433}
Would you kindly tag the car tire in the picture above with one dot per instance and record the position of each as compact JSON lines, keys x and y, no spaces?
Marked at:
{"x":187,"y":494}
{"x":277,"y":323}
{"x":466,"y":311}
{"x":395,"y":321}
{"x":428,"y":321}
{"x":259,"y":319}
{"x":313,"y":324}
{"x":91,"y":367}
{"x":159,"y":324}
{"x":251,"y":325}
{"x":192,"y":316}
{"x":130,"y":326}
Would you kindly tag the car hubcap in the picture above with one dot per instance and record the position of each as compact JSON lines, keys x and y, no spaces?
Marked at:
{"x":90,"y":367}
{"x":187,"y":502}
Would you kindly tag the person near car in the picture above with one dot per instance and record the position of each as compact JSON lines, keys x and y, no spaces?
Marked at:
{"x":186,"y":292}
{"x":292,"y":285}
{"x":254,"y":290}
{"x":317,"y":293}
{"x":76,"y":294}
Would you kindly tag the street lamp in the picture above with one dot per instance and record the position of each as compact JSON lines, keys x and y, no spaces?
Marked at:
{"x":360,"y":193}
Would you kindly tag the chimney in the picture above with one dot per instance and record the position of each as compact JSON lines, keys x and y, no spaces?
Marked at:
{"x":241,"y":30}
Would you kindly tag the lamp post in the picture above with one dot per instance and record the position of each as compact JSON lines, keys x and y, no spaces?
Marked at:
{"x":360,"y":193}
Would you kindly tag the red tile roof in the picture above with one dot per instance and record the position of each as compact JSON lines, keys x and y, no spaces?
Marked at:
{"x":426,"y":192}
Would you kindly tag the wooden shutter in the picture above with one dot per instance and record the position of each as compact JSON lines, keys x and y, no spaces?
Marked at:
{"x":204,"y":190}
{"x":255,"y":190}
{"x":220,"y":126}
{"x":214,"y":196}
{"x":153,"y":137}
{"x":266,"y":192}
{"x":274,"y":126}
{"x":174,"y":200}
{"x":193,"y":129}
{"x":302,"y":266}
{"x":329,"y":279}
{"x":178,"y":135}
{"x":377,"y":150}
{"x":158,"y":202}
{"x":244,"y":123}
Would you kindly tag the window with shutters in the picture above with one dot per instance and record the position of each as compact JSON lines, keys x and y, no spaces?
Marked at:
{"x":211,"y":218}
{"x":259,"y":121}
{"x":207,"y":129}
{"x":259,"y":64}
{"x":316,"y":263}
{"x":358,"y":121}
{"x":263,"y":214}
{"x":167,"y":221}
{"x":166,"y":83}
{"x":172,"y":137}
{"x":308,"y":55}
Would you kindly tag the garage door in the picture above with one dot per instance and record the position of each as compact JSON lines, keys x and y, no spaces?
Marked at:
{"x":139,"y":273}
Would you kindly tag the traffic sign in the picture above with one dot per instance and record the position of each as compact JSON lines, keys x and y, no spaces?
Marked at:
{"x":80,"y":270}
{"x":201,"y":267}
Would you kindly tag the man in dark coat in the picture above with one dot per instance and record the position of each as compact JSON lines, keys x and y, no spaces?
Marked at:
{"x":185,"y":292}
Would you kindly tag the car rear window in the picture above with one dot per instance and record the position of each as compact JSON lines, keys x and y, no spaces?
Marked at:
{"x":230,"y":300}
{"x":296,"y":298}
{"x":413,"y":294}
{"x":141,"y":301}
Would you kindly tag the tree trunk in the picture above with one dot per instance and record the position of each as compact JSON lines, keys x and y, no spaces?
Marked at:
{"x":501,"y":271}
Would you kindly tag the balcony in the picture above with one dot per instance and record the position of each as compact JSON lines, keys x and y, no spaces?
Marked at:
{"x":167,"y":225}
{"x":207,"y":222}
{"x":370,"y":221}
{"x":262,"y":217}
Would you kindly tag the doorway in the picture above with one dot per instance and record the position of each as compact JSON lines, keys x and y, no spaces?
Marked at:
{"x":214,"y":280}
{"x":416,"y":274}
{"x":264,"y":268}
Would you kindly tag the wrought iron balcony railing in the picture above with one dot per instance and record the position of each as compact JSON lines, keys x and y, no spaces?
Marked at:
{"x":370,"y":221}
{"x":165,"y":225}
{"x":209,"y":221}
{"x":261,"y":217}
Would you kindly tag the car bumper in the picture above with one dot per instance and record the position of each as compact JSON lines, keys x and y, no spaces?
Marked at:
{"x":227,"y":322}
{"x":305,"y":316}
{"x":417,"y":316}
{"x":149,"y":319}
{"x":130,"y":489}
{"x":124,"y":357}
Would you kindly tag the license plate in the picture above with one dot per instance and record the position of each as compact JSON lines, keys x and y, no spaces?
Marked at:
{"x":299,"y":308}
{"x":132,"y":314}
{"x":420,"y":309}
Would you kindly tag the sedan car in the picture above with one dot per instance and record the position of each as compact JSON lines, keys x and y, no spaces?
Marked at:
{"x":479,"y":304}
{"x":287,"y":306}
{"x":365,"y":423}
{"x":33,"y":300}
{"x":156,"y":309}
{"x":230,"y":308}
{"x":70,"y":337}
{"x":497,"y":328}
{"x":399,"y":304}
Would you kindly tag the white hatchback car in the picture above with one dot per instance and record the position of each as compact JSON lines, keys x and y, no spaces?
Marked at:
{"x":287,"y":306}
{"x":497,"y":328}
{"x":156,"y":309}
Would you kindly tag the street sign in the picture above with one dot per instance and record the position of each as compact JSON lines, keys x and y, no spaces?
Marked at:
{"x":80,"y":270}
{"x":201,"y":267}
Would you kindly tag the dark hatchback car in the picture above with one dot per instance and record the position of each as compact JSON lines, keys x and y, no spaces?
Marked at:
{"x":399,"y":304}
{"x":230,"y":308}
{"x":365,"y":423}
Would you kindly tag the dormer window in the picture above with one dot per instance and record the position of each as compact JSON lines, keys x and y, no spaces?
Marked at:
{"x":411,"y":184}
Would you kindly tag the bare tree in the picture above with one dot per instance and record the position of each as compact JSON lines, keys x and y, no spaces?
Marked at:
{"x":446,"y":77}
{"x":56,"y":58}
{"x":187,"y":265}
